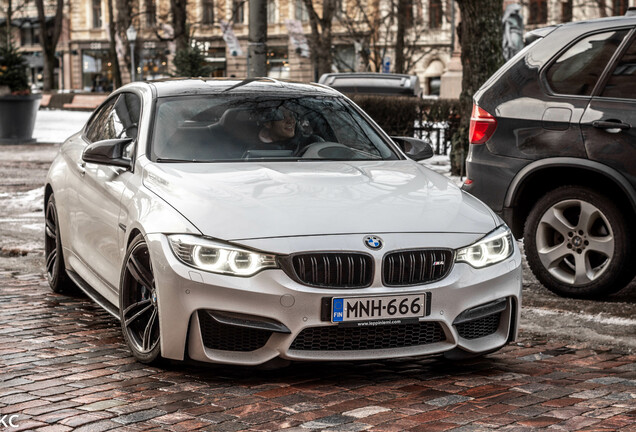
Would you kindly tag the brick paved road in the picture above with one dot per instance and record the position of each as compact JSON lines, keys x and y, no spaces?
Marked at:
{"x":64,"y":366}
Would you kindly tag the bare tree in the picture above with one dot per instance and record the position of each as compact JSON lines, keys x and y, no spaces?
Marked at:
{"x":9,"y":10}
{"x":481,"y":57}
{"x":179,"y":23}
{"x":403,"y":15}
{"x":49,"y":38}
{"x":321,"y":36}
{"x":378,"y":29}
{"x":368,"y":27}
{"x":112,"y":45}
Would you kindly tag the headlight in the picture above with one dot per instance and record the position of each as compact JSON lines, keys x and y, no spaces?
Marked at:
{"x":495,"y":247}
{"x":215,"y":257}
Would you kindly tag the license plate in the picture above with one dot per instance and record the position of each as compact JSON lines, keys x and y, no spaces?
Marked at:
{"x":366,"y":308}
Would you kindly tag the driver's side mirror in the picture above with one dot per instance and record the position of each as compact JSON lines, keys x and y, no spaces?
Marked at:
{"x":414,"y":148}
{"x":108,"y":152}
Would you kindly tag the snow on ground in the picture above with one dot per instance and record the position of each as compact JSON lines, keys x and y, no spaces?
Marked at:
{"x":24,"y":204}
{"x":54,"y":126}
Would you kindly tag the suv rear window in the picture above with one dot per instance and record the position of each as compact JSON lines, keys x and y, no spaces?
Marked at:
{"x":577,"y":70}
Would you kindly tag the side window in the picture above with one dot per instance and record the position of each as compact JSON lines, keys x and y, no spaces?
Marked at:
{"x":577,"y":70}
{"x":622,"y":81}
{"x":119,"y":118}
{"x":125,"y":122}
{"x":95,"y":129}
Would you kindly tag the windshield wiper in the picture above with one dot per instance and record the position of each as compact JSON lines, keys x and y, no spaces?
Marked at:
{"x":250,"y":80}
{"x":169,"y":160}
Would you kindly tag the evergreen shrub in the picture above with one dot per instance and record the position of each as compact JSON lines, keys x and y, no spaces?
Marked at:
{"x":400,"y":116}
{"x":13,"y":70}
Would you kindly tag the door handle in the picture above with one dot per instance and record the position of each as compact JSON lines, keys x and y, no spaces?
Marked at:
{"x":611,"y":126}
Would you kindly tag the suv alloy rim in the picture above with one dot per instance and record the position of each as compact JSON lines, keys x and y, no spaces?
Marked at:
{"x":575,"y":242}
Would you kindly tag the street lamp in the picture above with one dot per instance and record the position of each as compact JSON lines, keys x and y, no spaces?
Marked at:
{"x":131,"y":34}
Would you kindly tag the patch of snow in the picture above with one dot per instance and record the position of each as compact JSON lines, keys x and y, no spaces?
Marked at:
{"x":598,"y":318}
{"x":29,"y":201}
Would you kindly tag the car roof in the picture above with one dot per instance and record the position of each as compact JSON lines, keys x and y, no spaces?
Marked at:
{"x":189,"y":86}
{"x":593,"y":24}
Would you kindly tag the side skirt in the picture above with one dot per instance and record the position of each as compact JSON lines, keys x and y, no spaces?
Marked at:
{"x":93,"y":295}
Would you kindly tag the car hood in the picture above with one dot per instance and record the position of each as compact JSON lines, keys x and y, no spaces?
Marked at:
{"x":238,"y":201}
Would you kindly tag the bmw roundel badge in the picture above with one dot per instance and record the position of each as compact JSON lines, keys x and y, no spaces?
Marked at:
{"x":373,"y":242}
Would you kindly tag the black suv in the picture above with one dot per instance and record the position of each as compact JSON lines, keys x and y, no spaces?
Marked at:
{"x":553,"y":151}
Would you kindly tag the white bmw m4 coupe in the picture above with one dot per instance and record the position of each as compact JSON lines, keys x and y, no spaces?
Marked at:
{"x":238,"y":222}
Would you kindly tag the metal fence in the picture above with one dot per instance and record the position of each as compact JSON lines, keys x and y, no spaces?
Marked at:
{"x":438,"y":134}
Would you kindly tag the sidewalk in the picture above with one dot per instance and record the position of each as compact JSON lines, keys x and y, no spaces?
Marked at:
{"x":54,"y":126}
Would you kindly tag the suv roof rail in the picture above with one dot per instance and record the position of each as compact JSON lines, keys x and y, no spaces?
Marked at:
{"x":631,"y":11}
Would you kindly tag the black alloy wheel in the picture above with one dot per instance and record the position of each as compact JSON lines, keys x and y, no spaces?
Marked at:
{"x":138,"y":303}
{"x":54,"y":259}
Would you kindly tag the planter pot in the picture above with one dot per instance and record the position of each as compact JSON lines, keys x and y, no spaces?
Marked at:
{"x":17,"y":118}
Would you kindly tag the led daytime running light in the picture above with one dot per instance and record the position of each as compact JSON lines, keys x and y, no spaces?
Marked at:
{"x":212,"y":257}
{"x":492,"y":249}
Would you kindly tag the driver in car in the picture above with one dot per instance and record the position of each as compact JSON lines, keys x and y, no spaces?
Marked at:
{"x":279,"y":130}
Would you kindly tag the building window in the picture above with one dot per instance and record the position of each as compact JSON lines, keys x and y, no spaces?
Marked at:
{"x":566,"y":11}
{"x":620,"y":7}
{"x":97,"y":71}
{"x":153,"y":64}
{"x":215,"y":58}
{"x":435,"y":14}
{"x":301,"y":11}
{"x":27,"y":36}
{"x":208,"y":12}
{"x":538,"y":12}
{"x":271,"y":11}
{"x":344,"y":58}
{"x":238,"y":11}
{"x":277,"y":64}
{"x":151,"y":13}
{"x":97,"y":13}
{"x":433,"y":84}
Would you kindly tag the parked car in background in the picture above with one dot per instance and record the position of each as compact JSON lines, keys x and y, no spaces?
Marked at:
{"x":373,"y":83}
{"x":553,"y":151}
{"x":242,"y":221}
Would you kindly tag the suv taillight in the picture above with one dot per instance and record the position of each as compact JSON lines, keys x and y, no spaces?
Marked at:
{"x":482,"y":126}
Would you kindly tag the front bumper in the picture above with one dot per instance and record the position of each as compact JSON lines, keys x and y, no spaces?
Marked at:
{"x":250,"y":321}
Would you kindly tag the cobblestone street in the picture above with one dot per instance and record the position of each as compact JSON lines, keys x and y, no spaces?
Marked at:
{"x":64,"y":366}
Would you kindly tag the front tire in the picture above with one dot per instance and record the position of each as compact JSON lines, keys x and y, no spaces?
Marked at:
{"x":138,"y":304}
{"x":54,"y":259}
{"x":577,"y":243}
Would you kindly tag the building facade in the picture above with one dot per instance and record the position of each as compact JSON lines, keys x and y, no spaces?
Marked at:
{"x":362,"y":30}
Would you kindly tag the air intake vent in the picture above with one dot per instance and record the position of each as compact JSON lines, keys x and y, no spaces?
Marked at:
{"x":335,"y":338}
{"x":226,"y":337}
{"x":334,"y":270}
{"x":480,"y":327}
{"x":416,"y":267}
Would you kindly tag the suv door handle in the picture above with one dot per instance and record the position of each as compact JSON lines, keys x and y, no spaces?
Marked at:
{"x":611,"y":126}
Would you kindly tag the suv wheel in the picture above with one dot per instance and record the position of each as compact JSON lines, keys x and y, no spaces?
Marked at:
{"x":577,"y":243}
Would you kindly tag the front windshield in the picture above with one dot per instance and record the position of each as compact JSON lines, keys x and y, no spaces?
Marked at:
{"x":243,"y":127}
